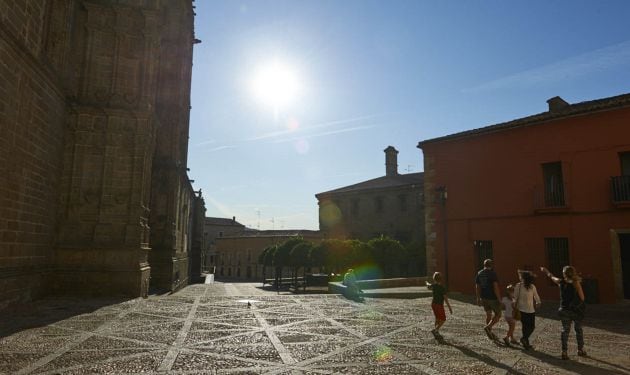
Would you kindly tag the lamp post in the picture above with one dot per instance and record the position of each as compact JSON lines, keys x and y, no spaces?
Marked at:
{"x":443,"y":196}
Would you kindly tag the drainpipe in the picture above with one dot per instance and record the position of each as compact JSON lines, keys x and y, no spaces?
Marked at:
{"x":443,"y":196}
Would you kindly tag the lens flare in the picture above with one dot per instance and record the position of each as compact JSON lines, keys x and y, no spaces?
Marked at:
{"x":330,"y":214}
{"x":383,"y":354}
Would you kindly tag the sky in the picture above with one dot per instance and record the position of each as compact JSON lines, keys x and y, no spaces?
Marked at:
{"x":359,"y":76}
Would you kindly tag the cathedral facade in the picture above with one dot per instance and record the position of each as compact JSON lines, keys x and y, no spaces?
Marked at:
{"x":94,"y":118}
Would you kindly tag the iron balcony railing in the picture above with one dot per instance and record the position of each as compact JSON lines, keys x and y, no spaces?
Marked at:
{"x":620,"y":187}
{"x":550,"y":196}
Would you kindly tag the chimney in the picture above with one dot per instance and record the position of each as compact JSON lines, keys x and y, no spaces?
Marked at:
{"x":556,"y":104}
{"x":391,"y":161}
{"x":233,"y":219}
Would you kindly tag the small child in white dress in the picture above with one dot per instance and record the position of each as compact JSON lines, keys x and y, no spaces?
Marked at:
{"x":508,"y":307}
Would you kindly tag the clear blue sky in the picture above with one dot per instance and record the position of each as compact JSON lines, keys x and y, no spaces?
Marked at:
{"x":373,"y":74}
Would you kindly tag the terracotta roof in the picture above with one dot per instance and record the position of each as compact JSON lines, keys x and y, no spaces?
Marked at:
{"x":222,"y":221}
{"x":570,"y":110}
{"x":380,"y":183}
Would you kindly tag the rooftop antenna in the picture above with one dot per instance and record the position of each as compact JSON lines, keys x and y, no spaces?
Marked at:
{"x":409,"y":168}
{"x":273,"y":224}
{"x":281,"y":224}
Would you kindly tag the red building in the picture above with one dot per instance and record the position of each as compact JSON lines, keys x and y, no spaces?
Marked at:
{"x":550,"y":189}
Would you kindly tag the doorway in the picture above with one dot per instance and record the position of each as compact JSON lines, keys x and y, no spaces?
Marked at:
{"x":624,"y":252}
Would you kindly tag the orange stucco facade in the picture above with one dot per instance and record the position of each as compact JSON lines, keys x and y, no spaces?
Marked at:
{"x":496,"y":192}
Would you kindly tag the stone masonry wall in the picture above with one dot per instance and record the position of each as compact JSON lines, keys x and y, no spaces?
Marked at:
{"x":32,"y":121}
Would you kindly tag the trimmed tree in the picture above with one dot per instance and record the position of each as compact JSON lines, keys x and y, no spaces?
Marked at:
{"x":387,"y":253}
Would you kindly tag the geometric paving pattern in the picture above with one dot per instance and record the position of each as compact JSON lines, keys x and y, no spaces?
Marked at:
{"x":209,"y":329}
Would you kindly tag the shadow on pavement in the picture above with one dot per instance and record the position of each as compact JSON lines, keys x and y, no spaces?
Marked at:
{"x":47,"y":311}
{"x":483,"y":358}
{"x":611,"y":318}
{"x":577,"y":367}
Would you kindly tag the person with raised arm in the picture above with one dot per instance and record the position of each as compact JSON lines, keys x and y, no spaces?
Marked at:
{"x":572,"y":307}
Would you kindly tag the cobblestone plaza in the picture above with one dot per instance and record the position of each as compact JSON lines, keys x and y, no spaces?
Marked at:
{"x":209,"y":329}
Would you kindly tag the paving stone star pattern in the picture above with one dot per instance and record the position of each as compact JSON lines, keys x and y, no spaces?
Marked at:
{"x":210,"y":329}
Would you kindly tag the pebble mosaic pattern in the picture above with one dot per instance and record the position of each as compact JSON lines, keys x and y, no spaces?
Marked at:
{"x":209,"y":329}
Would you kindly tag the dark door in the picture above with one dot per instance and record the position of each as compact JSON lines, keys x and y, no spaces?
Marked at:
{"x":624,"y":250}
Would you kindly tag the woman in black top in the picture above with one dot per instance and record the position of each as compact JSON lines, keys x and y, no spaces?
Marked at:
{"x":571,"y":307}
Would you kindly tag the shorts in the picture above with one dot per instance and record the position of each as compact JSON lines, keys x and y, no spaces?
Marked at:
{"x":492,"y":305}
{"x":438,"y":311}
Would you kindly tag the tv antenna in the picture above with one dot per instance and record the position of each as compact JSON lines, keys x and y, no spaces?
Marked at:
{"x":258,"y":213}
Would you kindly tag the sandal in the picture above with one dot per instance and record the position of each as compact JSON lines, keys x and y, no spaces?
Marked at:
{"x":582,"y":353}
{"x":565,"y":356}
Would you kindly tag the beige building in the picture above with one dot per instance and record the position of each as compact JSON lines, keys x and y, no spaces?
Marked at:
{"x":237,"y":255}
{"x":214,"y":228}
{"x":94,"y":117}
{"x":392,"y":205}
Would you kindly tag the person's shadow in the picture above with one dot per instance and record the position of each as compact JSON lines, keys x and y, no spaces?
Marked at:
{"x":577,"y":367}
{"x":483,"y":358}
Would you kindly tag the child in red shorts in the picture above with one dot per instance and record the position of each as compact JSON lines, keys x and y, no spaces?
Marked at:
{"x":437,"y":304}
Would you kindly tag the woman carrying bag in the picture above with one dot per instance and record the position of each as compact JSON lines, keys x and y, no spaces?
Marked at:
{"x":572,"y":307}
{"x":527,"y":301}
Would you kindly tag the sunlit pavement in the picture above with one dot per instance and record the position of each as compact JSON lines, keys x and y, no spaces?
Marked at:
{"x":210,"y":329}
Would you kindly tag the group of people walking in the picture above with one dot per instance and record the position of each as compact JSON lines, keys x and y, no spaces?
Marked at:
{"x":519,"y":302}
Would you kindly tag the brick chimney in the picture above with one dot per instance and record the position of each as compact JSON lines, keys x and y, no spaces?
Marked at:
{"x":557,"y":104}
{"x":391,"y":161}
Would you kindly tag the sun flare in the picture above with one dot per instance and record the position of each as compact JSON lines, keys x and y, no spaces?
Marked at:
{"x":276,"y":85}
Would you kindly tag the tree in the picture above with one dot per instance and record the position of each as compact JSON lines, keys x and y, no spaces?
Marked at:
{"x":282,"y":256}
{"x":300,"y":257}
{"x":266,"y":258}
{"x":317,"y":256}
{"x":386,"y":253}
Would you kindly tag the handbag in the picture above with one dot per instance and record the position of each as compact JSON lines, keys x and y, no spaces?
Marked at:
{"x":516,"y":313}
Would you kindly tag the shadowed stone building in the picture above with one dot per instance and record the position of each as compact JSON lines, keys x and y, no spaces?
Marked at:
{"x":94,"y":117}
{"x":391,"y":205}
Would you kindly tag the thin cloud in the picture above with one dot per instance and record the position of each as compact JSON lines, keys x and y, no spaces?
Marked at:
{"x":332,"y":132}
{"x":220,"y":148}
{"x":316,"y":126}
{"x":208,"y":142}
{"x":222,"y":208}
{"x":571,"y":68}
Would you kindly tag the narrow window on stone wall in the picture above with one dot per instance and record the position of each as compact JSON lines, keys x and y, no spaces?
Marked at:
{"x":557,"y":249}
{"x":483,"y":251}
{"x":402,"y":200}
{"x":378,"y":204}
{"x":221,"y":234}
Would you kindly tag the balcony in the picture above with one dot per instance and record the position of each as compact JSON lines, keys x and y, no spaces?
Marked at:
{"x":551,"y":198}
{"x":620,"y":190}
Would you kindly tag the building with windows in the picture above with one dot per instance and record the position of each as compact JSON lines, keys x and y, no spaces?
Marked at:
{"x":237,"y":254}
{"x":391,"y":205}
{"x":213,"y":229}
{"x":546,"y":190}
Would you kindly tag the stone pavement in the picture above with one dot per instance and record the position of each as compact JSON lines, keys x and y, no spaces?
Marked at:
{"x":208,"y":329}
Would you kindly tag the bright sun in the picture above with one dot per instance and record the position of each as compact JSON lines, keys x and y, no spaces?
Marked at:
{"x":276,"y":85}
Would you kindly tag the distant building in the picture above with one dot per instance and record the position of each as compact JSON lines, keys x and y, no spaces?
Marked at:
{"x":237,"y":254}
{"x":214,"y":228}
{"x":391,"y":205}
{"x":546,"y":190}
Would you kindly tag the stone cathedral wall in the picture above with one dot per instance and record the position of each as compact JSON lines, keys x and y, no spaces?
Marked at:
{"x":94,"y":111}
